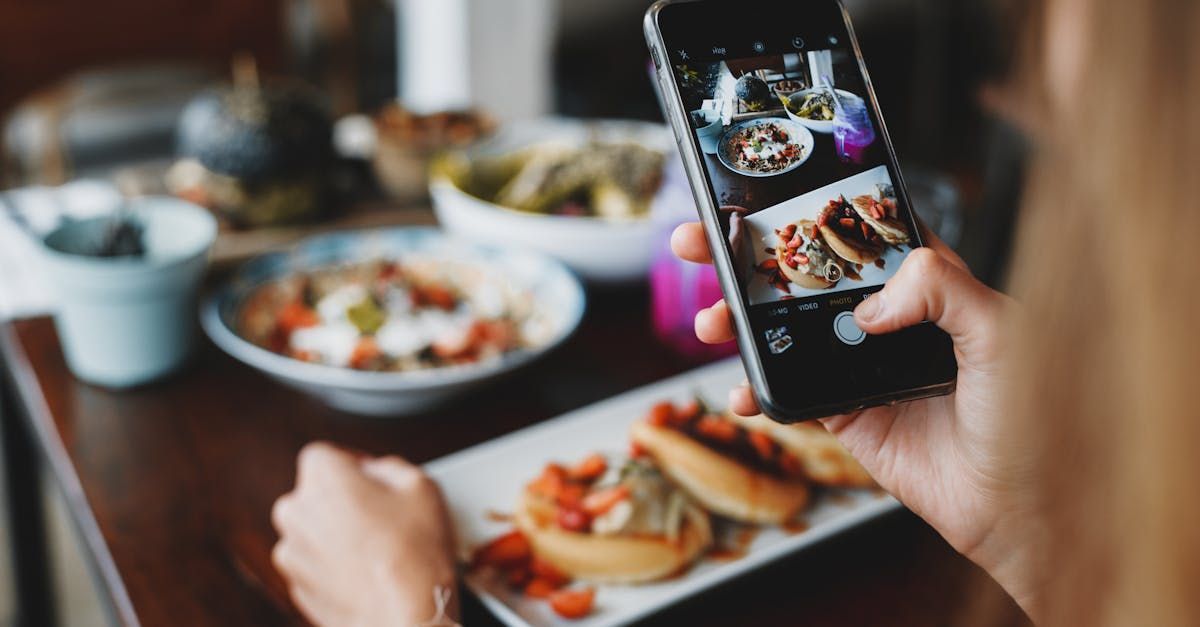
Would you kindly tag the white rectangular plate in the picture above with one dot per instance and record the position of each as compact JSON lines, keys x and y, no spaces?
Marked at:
{"x":807,"y":207}
{"x":489,"y":477}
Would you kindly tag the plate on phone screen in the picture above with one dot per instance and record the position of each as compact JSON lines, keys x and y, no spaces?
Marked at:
{"x":487,"y":479}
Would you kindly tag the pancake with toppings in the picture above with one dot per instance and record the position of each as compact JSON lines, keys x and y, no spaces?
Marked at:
{"x":743,"y":474}
{"x":611,"y":521}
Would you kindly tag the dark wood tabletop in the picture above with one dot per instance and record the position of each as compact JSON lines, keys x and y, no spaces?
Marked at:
{"x":171,"y":484}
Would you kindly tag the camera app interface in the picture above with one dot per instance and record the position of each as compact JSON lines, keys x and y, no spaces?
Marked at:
{"x":799,"y":170}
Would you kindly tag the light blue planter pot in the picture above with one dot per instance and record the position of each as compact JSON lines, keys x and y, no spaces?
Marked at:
{"x":126,"y":321}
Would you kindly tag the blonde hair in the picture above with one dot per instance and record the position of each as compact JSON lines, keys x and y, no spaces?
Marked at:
{"x":1107,"y":354}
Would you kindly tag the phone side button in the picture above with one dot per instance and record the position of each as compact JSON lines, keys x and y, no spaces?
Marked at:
{"x":847,"y":330}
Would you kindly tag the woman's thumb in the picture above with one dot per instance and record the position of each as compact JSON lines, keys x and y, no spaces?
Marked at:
{"x":929,"y":287}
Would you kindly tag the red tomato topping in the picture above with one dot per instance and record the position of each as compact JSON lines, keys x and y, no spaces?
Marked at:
{"x":364,"y":352}
{"x":589,"y":468}
{"x":297,"y":316}
{"x":661,"y":414}
{"x":516,"y":576}
{"x":433,"y":296}
{"x":508,"y":550}
{"x":574,"y":520}
{"x":790,"y":464}
{"x":601,"y":501}
{"x":570,"y":495}
{"x":543,"y":570}
{"x":762,"y":444}
{"x":550,"y":483}
{"x":573,"y":603}
{"x":717,"y":428}
{"x":539,"y":588}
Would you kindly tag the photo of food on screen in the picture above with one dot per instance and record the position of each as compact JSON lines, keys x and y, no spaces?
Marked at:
{"x":799,"y":173}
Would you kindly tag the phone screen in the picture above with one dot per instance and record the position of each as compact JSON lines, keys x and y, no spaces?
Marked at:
{"x":808,"y":199}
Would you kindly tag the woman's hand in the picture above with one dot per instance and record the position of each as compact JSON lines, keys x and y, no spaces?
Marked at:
{"x":363,"y":541}
{"x":939,"y":456}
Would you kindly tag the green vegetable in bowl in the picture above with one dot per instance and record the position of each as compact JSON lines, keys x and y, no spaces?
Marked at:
{"x":817,"y":106}
{"x":366,"y":316}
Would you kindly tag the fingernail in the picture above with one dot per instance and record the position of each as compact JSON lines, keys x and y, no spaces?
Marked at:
{"x":870,"y":309}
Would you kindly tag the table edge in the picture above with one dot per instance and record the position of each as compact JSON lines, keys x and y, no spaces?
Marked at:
{"x":37,"y":412}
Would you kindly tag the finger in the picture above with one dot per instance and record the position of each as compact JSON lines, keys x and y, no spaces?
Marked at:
{"x":689,"y":243}
{"x":714,"y":325}
{"x":283,"y":512}
{"x":741,"y":401}
{"x":929,"y":287}
{"x":396,"y":473}
{"x":292,"y":562}
{"x":284,"y":560}
{"x":322,"y":461}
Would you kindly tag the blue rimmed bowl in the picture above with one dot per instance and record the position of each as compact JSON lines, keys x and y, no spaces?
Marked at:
{"x":558,"y":301}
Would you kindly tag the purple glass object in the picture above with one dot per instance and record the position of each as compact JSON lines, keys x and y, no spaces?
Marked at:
{"x":680,"y":289}
{"x":853,"y":133}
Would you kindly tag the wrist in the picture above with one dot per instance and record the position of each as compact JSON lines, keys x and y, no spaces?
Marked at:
{"x":416,"y":595}
{"x":1013,"y":554}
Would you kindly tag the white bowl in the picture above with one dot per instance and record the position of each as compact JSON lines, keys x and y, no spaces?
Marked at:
{"x":817,"y":126}
{"x":600,"y":250}
{"x":557,"y":294}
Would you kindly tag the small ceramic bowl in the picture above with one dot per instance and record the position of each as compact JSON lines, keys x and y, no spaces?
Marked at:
{"x":557,"y":295}
{"x":125,"y":321}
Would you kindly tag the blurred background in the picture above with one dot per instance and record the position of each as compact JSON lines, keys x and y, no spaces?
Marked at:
{"x":97,"y":91}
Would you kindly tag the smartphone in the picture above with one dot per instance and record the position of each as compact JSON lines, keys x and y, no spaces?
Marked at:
{"x":798,"y":188}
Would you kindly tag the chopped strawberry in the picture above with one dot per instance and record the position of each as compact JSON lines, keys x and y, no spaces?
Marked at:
{"x":685,"y":412}
{"x":796,"y":241}
{"x":661,"y":414}
{"x":717,"y":428}
{"x":866,"y":230}
{"x":762,"y":444}
{"x":600,"y":501}
{"x":801,"y":258}
{"x":550,"y":483}
{"x":539,"y":588}
{"x":790,"y":464}
{"x":517,"y":576}
{"x":570,"y":495}
{"x":846,"y":222}
{"x":590,"y":468}
{"x":508,"y":550}
{"x":544,"y":570}
{"x":573,"y":603}
{"x":636,"y":450}
{"x":574,"y":520}
{"x":789,"y":231}
{"x":792,"y":262}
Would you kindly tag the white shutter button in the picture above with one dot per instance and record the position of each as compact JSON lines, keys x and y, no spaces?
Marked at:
{"x":847,"y":330}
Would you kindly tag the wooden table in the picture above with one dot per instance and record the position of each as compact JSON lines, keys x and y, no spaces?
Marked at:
{"x":170,"y":485}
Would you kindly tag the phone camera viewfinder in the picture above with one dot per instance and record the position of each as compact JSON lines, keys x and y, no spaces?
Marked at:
{"x":760,"y":47}
{"x":797,"y":42}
